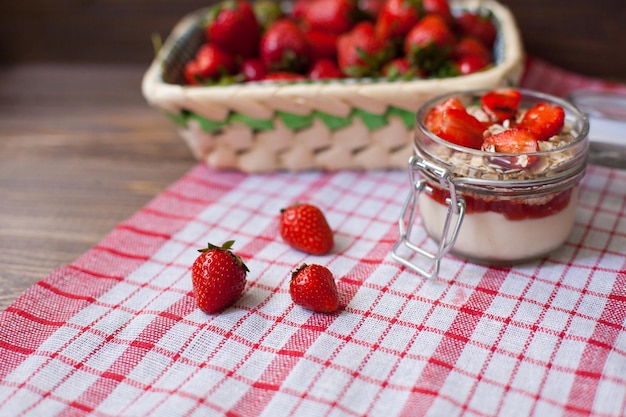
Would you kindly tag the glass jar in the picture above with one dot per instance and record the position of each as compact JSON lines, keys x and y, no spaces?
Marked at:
{"x":488,"y":207}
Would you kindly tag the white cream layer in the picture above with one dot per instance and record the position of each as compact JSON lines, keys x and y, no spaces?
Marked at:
{"x":491,"y":237}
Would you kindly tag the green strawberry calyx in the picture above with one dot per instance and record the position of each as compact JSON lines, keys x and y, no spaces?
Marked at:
{"x":226,"y":246}
{"x":296,"y":271}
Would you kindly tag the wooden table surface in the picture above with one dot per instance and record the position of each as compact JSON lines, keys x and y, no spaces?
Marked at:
{"x":80,"y":151}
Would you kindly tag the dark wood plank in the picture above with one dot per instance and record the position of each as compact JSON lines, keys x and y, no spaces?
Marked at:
{"x":580,"y":35}
{"x":80,"y":151}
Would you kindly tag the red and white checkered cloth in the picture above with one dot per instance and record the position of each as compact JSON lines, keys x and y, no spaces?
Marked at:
{"x":117,"y":332}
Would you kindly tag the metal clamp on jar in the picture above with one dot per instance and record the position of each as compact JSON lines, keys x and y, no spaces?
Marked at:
{"x":491,"y":207}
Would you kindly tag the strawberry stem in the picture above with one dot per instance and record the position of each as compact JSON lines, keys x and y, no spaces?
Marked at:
{"x":157,"y":43}
{"x":225,"y":246}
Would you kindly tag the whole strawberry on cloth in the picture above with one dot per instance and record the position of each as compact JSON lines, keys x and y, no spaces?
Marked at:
{"x":313,"y":287}
{"x":305,"y":228}
{"x":218,"y":277}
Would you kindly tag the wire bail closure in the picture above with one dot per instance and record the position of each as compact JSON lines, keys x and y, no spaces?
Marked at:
{"x":456,"y":207}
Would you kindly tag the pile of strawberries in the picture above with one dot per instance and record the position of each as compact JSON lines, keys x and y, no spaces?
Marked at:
{"x":330,"y":39}
{"x":525,"y":128}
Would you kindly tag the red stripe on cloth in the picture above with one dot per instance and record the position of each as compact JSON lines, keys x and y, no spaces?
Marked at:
{"x":252,"y":247}
{"x":359,"y":273}
{"x":270,"y":382}
{"x":33,"y":318}
{"x":455,"y":338}
{"x":142,"y":246}
{"x":67,"y":284}
{"x":130,"y":334}
{"x":6,"y":346}
{"x":95,"y":274}
{"x":134,"y":353}
{"x":590,"y":372}
{"x":144,"y":231}
{"x":261,"y":392}
{"x":82,"y":407}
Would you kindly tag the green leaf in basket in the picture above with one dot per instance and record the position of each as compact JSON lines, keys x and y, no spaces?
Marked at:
{"x":180,"y":119}
{"x":295,"y":121}
{"x":407,"y":117}
{"x":208,"y":125}
{"x":372,"y":121}
{"x":332,"y":122}
{"x":252,"y":122}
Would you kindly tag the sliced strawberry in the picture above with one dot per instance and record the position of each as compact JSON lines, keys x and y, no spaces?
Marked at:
{"x":458,"y":126}
{"x":516,"y":140}
{"x":544,"y":120}
{"x":513,"y":141}
{"x":434,"y":117}
{"x":501,"y":104}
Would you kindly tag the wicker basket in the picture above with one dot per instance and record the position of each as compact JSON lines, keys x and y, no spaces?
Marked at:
{"x":345,"y":124}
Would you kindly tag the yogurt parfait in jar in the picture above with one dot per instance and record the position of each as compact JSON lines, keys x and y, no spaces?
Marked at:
{"x":494,"y":177}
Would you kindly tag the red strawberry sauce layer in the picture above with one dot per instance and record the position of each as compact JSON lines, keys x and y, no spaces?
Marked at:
{"x":511,"y":209}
